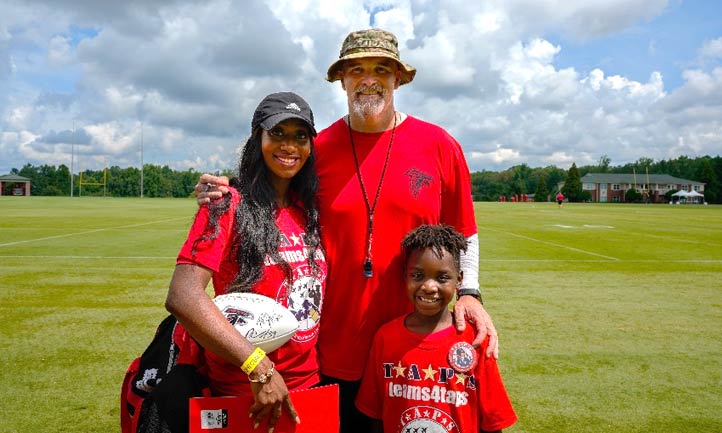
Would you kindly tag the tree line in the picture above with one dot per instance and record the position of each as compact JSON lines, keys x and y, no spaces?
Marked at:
{"x":541,"y":182}
{"x":158,"y":181}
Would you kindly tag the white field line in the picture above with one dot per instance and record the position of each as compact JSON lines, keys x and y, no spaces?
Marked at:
{"x":702,"y":261}
{"x":648,"y":235}
{"x":552,"y":244}
{"x":675,"y":239}
{"x":87,"y":257}
{"x":88,"y":232}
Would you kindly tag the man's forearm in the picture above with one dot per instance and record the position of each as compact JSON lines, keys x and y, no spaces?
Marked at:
{"x":470,"y":267}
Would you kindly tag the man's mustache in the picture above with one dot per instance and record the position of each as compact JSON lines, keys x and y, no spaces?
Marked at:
{"x":374,"y":88}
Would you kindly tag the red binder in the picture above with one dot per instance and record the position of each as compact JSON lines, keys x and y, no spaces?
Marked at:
{"x":317,"y":408}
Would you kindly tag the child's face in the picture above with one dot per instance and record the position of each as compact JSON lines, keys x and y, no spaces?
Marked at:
{"x":431,"y":282}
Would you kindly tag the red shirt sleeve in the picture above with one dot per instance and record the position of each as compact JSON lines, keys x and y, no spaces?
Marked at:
{"x":457,"y":205}
{"x":495,"y":409}
{"x":211,"y":253}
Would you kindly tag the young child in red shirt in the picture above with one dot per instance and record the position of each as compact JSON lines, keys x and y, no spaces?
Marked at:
{"x":421,"y":374}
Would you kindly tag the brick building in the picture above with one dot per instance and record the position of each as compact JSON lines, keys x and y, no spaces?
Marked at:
{"x":12,"y":184}
{"x":612,"y":187}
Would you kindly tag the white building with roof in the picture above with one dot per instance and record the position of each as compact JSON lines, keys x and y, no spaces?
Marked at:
{"x":612,"y":187}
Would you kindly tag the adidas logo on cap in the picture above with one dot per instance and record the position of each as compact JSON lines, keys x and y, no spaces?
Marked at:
{"x":293,"y":106}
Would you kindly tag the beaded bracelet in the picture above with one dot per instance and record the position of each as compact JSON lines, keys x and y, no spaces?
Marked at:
{"x":253,"y":360}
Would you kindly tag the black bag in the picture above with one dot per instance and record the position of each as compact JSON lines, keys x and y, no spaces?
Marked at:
{"x":155,"y":392}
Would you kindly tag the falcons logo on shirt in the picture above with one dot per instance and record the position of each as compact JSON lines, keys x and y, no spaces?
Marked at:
{"x":417,"y":179}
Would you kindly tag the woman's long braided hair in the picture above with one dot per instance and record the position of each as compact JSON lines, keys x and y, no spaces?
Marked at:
{"x":254,"y":222}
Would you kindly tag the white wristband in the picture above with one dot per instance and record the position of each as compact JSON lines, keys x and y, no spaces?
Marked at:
{"x":470,"y":263}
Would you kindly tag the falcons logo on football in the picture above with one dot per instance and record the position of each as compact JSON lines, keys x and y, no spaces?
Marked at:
{"x":237,"y":316}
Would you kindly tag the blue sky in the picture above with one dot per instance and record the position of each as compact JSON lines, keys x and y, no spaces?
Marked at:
{"x":667,"y":43}
{"x":537,"y":82}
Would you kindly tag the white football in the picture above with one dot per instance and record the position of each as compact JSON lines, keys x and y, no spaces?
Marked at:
{"x":263,"y":321}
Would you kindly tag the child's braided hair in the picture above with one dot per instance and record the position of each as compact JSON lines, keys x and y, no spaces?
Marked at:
{"x":438,"y":237}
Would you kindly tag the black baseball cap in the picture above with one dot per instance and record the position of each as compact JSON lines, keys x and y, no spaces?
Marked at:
{"x":277,"y":107}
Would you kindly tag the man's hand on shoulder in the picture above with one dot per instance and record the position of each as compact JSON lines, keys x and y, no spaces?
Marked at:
{"x":469,"y":309}
{"x":210,"y":187}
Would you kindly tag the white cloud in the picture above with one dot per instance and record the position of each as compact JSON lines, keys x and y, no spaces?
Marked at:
{"x":487,"y":22}
{"x":498,"y":157}
{"x":450,"y":64}
{"x":581,"y":20}
{"x":59,"y":52}
{"x":711,"y":49}
{"x":18,"y":118}
{"x":6,"y":63}
{"x":193,"y":72}
{"x":700,"y":89}
{"x":562,"y":159}
{"x":111,"y":138}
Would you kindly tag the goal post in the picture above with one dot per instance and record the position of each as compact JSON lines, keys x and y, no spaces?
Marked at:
{"x":93,"y":182}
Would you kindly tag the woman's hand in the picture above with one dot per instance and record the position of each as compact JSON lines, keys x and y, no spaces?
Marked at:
{"x":271,"y":399}
{"x":210,"y":188}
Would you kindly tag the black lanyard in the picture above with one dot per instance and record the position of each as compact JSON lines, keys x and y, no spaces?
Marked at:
{"x":370,"y":207}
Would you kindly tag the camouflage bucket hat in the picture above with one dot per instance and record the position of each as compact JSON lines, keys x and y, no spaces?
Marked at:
{"x":370,"y":43}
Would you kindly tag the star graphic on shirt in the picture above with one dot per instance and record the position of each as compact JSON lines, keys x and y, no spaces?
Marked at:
{"x":429,"y":373}
{"x":400,"y":371}
{"x":296,"y":239}
{"x":461,"y":378}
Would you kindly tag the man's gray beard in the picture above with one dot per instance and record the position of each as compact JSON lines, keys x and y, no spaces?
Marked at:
{"x":367,"y":107}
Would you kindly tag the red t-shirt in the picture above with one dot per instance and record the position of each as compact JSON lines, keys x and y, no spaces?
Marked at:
{"x":426,"y":182}
{"x":410,"y":384}
{"x":297,"y":360}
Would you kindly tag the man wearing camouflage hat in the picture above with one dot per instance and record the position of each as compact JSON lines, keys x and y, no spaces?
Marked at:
{"x":381,"y":174}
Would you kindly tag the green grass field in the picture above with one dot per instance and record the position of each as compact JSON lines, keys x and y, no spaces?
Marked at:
{"x":609,"y":315}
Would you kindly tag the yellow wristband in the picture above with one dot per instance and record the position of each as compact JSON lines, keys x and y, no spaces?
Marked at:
{"x":253,"y":360}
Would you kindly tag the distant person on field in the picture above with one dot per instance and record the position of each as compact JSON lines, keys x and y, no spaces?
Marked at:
{"x":560,"y":198}
{"x":422,"y":375}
